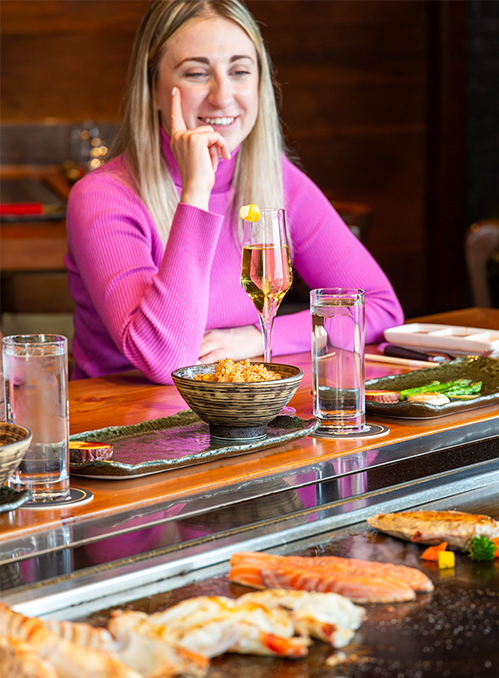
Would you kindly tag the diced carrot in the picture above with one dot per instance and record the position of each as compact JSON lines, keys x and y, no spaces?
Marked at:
{"x":432,"y":552}
{"x":496,"y":542}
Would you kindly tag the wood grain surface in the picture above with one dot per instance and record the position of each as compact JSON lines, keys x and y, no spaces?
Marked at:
{"x":129,"y":398}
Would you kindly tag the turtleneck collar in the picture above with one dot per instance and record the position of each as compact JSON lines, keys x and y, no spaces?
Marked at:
{"x":223,"y":175}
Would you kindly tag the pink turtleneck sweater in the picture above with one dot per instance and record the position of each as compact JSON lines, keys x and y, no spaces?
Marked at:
{"x":139,"y":305}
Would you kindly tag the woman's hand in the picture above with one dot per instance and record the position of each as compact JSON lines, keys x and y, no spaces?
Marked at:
{"x":197,"y":152}
{"x":237,"y":343}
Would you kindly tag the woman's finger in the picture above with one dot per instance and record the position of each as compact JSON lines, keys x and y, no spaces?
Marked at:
{"x":214,"y":155}
{"x":177,"y":122}
{"x":213,"y":357}
{"x":221,"y":144}
{"x":224,"y":150}
{"x":207,"y":344}
{"x":212,"y":138}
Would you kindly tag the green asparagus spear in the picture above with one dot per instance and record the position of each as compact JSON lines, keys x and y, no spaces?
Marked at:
{"x":435,"y":387}
{"x":468,"y":390}
{"x":403,"y":395}
{"x":459,"y":391}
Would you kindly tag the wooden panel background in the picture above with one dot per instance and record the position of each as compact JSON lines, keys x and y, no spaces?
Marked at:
{"x":354,"y":79}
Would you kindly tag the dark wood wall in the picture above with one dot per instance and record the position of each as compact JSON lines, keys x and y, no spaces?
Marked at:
{"x":356,"y":80}
{"x":65,"y":59}
{"x":353,"y":78}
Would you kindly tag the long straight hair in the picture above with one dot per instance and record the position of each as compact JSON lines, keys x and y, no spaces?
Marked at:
{"x":258,"y":170}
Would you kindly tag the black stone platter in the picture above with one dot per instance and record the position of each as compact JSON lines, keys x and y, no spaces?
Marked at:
{"x":476,"y":368}
{"x":174,"y":442}
{"x":11,"y":499}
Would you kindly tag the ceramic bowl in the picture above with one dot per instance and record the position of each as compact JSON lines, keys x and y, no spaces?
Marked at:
{"x":14,"y":442}
{"x":237,"y":410}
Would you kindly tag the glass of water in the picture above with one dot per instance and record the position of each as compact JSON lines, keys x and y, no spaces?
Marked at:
{"x":338,"y":343}
{"x":35,"y":370}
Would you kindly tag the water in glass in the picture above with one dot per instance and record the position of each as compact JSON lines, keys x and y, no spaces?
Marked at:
{"x":338,"y":360}
{"x":36,"y":396}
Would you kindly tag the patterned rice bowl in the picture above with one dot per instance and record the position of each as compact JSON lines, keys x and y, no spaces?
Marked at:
{"x":14,"y":442}
{"x":237,"y":410}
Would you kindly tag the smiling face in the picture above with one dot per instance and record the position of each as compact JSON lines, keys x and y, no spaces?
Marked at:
{"x":214,"y":64}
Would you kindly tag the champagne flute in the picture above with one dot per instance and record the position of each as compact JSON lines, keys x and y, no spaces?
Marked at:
{"x":266,"y":272}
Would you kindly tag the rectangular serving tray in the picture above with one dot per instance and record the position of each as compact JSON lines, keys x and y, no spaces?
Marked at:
{"x":176,"y":441}
{"x":476,"y":368}
{"x":444,"y":337}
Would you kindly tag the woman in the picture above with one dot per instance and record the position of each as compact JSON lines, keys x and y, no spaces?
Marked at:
{"x":154,"y":238}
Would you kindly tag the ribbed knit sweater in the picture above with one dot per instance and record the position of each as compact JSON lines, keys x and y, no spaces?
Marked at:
{"x":139,"y":305}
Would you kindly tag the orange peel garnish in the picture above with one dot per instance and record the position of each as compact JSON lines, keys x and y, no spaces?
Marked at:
{"x":250,"y":213}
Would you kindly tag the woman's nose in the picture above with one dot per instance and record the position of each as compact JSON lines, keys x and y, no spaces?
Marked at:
{"x":220,"y":94}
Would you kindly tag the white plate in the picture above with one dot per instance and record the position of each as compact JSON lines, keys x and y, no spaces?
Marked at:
{"x":444,"y":337}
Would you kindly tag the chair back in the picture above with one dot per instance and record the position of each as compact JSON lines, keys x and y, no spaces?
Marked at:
{"x":480,"y":245}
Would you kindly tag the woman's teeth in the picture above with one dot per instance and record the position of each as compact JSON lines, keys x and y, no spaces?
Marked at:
{"x":218,"y":121}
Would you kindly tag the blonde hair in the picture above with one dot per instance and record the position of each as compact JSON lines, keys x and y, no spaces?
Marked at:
{"x":258,"y":169}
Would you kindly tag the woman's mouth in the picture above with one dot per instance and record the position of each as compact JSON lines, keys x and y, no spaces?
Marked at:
{"x":219,"y":122}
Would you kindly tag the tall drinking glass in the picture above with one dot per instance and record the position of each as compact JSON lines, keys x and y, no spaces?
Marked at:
{"x":266,"y":273}
{"x":35,"y":370}
{"x":338,"y":359}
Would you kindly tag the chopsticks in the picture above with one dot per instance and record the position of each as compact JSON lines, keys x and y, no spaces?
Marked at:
{"x":376,"y":358}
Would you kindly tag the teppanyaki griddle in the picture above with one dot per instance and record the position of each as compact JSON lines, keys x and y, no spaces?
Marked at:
{"x":453,"y":631}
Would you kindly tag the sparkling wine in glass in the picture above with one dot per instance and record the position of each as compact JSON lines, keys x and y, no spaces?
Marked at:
{"x":266,"y":272}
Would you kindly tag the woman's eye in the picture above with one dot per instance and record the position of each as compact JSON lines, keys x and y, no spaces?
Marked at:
{"x":241,"y":73}
{"x":196,"y":75}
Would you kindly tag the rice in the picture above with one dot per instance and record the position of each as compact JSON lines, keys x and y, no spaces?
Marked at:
{"x":244,"y":371}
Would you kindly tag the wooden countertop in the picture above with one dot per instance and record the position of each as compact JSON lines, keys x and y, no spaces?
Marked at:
{"x":130,"y":398}
{"x":487,"y":318}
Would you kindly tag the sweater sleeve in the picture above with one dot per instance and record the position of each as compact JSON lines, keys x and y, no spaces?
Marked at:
{"x":153,"y":306}
{"x":327,"y":254}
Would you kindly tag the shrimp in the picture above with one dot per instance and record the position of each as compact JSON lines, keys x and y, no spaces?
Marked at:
{"x":19,"y":660}
{"x":326,"y":616}
{"x":84,"y":635}
{"x":69,"y":659}
{"x":213,"y":625}
{"x":150,"y":657}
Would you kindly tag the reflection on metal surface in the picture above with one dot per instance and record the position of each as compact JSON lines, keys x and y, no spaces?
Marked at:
{"x":337,"y":481}
{"x":315,"y":492}
{"x":195,"y":521}
{"x":177,"y":565}
{"x":23,"y":571}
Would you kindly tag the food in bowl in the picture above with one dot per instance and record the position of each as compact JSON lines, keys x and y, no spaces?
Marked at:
{"x":14,"y":443}
{"x":244,"y":371}
{"x":237,"y":410}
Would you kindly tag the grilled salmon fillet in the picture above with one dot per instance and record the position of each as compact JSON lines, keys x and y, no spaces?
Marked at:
{"x":433,"y":527}
{"x":361,"y":581}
